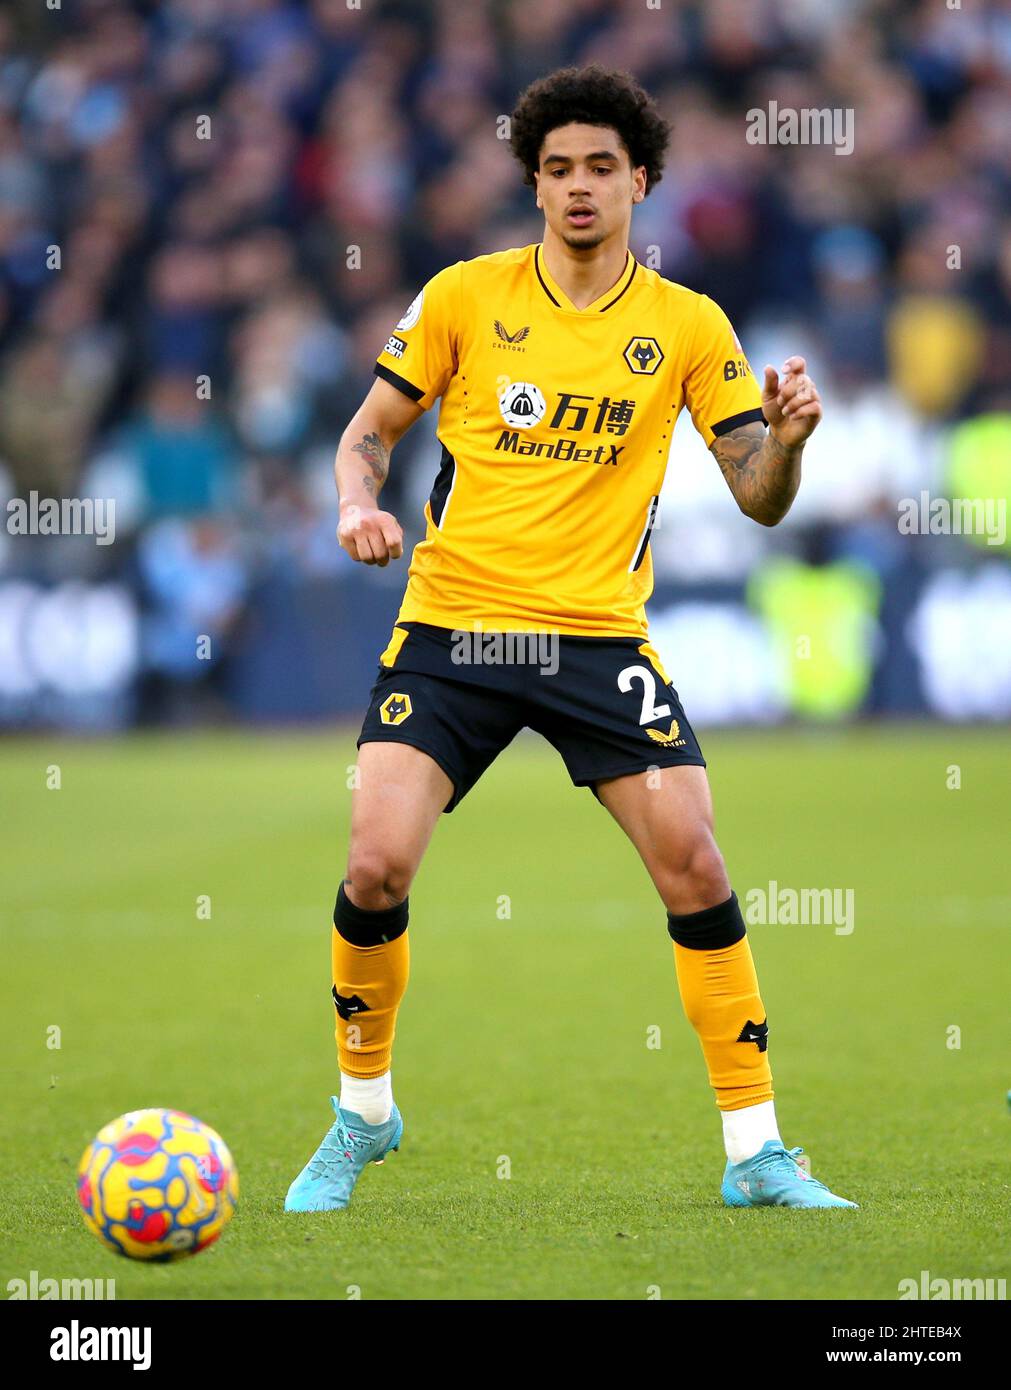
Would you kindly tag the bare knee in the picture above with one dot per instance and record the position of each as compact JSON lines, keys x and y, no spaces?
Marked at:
{"x":694,"y":877}
{"x":377,"y":878}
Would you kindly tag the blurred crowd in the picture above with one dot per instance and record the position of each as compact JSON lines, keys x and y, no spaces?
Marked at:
{"x":212,"y":212}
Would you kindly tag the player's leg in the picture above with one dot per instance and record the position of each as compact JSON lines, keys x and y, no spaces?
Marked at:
{"x":427,"y":737}
{"x":667,"y":814}
{"x":613,"y":714}
{"x":399,"y":796}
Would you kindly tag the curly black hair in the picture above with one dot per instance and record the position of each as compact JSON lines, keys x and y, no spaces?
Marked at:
{"x":591,"y":95}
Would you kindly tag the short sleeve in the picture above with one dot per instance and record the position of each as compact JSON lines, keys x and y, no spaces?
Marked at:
{"x":421,"y":353}
{"x":720,"y":388}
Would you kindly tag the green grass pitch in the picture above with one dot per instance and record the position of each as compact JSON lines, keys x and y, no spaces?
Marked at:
{"x":523,"y":1041}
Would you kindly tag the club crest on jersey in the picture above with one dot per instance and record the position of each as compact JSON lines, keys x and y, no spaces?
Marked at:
{"x":511,"y":340}
{"x":395,"y":709}
{"x":643,"y":356}
{"x":413,"y":313}
{"x":522,"y":405}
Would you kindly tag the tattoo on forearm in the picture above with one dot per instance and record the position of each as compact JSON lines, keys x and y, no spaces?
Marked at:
{"x":763,"y":474}
{"x":377,"y":456}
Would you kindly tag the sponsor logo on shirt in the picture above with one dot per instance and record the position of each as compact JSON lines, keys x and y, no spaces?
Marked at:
{"x":413,"y":313}
{"x":522,"y":404}
{"x":510,"y":342}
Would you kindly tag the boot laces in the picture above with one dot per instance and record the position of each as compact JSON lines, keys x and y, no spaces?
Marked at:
{"x":776,"y":1162}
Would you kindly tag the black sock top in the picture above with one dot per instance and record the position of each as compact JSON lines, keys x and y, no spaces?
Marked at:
{"x":709,"y":930}
{"x":360,"y":927}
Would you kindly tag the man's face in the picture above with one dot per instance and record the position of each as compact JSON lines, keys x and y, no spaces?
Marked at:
{"x":586,"y":184}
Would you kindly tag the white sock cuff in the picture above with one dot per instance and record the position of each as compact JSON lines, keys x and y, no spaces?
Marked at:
{"x":746,"y":1131}
{"x":371,"y":1097}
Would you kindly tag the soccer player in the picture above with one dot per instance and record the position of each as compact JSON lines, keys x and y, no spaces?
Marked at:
{"x":561,"y":369}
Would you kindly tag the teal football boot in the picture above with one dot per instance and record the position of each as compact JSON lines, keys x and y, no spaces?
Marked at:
{"x":328,"y":1179}
{"x":774,"y":1178}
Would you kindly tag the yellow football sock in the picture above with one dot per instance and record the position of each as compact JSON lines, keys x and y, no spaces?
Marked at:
{"x":719,"y":991}
{"x":371,"y":962}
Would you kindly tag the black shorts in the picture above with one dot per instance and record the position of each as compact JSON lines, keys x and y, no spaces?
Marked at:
{"x":604,"y":702}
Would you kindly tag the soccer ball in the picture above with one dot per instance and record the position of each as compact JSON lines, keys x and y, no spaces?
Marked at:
{"x":157,"y":1185}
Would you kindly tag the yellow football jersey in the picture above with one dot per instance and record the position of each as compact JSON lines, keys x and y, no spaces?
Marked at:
{"x":555,"y":428}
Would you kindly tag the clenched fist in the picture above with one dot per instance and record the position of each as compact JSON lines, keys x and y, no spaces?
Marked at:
{"x":369,"y":535}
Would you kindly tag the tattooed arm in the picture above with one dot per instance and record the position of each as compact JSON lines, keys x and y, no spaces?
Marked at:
{"x":762,"y":468}
{"x":363,"y":462}
{"x":376,"y":456}
{"x":762,"y":474}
